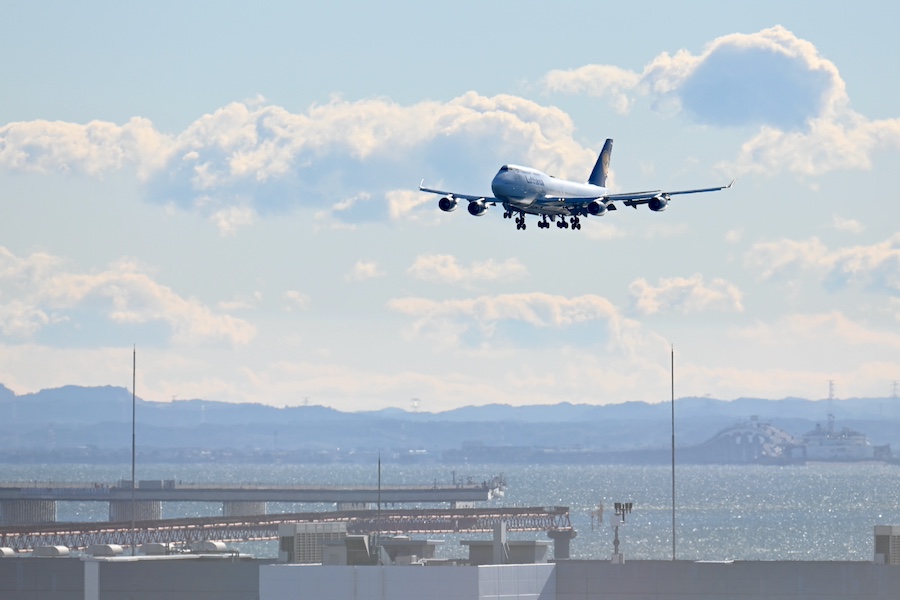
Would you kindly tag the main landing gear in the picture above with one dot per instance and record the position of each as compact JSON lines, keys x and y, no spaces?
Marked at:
{"x":573,"y":222}
{"x":563,"y":224}
{"x":520,"y":219}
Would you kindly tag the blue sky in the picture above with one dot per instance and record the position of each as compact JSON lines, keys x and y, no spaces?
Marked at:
{"x":232,"y":189}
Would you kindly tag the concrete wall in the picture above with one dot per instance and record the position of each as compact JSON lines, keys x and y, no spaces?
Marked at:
{"x":308,"y":582}
{"x":29,"y":578}
{"x":172,"y":579}
{"x":180,"y":578}
{"x":758,"y":580}
{"x":41,"y":579}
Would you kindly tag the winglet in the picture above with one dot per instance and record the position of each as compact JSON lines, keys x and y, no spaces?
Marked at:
{"x":422,"y":184}
{"x":726,"y":187}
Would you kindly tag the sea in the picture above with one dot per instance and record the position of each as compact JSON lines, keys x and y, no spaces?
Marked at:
{"x":824,"y":511}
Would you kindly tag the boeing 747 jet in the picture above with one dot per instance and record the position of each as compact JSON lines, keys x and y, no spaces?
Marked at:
{"x":523,"y":190}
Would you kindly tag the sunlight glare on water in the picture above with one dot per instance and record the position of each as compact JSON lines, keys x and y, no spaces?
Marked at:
{"x":813,"y":512}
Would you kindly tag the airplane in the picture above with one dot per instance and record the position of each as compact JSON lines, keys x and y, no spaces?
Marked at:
{"x":523,"y":190}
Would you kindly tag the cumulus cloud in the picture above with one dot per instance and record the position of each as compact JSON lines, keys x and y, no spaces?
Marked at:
{"x":94,"y":148}
{"x":364,"y":269}
{"x":847,"y":225}
{"x":601,"y":81}
{"x":351,"y":161}
{"x":875,"y":266}
{"x":685,"y":295}
{"x":444,"y":268}
{"x":295,"y":300}
{"x":228,"y":220}
{"x":487,"y":320}
{"x":37,"y":291}
{"x":734,"y":236}
{"x":766,"y":78}
{"x":770,"y":79}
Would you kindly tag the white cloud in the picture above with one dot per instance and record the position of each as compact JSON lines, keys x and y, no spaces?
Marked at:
{"x":228,"y":220}
{"x":766,"y":78}
{"x":685,"y":295}
{"x":295,"y":300}
{"x":363,"y":270}
{"x":444,"y":268}
{"x":240,"y":303}
{"x":487,"y":320}
{"x":402,"y":203}
{"x":94,"y":148}
{"x":601,"y":81}
{"x":848,"y":225}
{"x":249,"y":159}
{"x":770,"y":79}
{"x":734,"y":236}
{"x":876,"y":266}
{"x":45,"y":294}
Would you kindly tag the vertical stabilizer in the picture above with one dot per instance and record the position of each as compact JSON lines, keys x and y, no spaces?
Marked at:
{"x":601,"y":169}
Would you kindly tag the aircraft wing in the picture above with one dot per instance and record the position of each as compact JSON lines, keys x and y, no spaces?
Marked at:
{"x":636,"y":198}
{"x":469,"y":197}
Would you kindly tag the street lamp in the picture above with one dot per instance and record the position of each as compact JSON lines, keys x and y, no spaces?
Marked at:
{"x":618,"y":520}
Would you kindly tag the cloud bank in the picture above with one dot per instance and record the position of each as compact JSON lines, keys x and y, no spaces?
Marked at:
{"x":770,"y":80}
{"x":37,"y":292}
{"x":875,"y":267}
{"x":685,"y":295}
{"x":249,"y":158}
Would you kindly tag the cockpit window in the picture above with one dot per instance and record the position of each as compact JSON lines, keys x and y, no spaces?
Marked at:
{"x":504,"y":169}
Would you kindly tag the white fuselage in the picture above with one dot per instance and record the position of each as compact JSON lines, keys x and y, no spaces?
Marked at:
{"x":531,"y":191}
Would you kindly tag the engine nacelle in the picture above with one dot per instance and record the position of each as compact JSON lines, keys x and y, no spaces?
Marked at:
{"x":447,"y":204}
{"x":476,"y":209}
{"x":658,"y":203}
{"x":596,"y":208}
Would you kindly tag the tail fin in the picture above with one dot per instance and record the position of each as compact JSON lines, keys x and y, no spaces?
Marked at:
{"x":601,"y":169}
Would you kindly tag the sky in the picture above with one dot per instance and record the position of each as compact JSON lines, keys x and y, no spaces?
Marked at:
{"x":229,"y":190}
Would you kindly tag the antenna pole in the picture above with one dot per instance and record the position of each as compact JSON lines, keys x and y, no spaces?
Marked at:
{"x":673,"y":450}
{"x":378,"y":519}
{"x":133,"y":380}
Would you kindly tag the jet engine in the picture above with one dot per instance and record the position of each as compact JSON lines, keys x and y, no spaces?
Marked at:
{"x":447,"y":204}
{"x":596,"y":208}
{"x":658,"y":203}
{"x":476,"y":209}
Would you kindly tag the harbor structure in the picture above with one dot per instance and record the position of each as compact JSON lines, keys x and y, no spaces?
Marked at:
{"x":35,"y":502}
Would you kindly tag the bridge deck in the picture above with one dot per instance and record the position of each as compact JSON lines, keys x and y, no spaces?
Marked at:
{"x":265,"y":527}
{"x":171,"y":492}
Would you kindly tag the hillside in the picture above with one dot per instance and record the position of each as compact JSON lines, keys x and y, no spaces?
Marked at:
{"x":99,"y":418}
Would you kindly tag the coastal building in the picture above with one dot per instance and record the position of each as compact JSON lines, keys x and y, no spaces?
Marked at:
{"x":227,"y":575}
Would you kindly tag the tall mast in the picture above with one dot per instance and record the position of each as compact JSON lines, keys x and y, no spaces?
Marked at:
{"x":133,"y":380}
{"x":672,"y":370}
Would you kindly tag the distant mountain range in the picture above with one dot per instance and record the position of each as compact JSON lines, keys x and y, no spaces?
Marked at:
{"x":98,"y":420}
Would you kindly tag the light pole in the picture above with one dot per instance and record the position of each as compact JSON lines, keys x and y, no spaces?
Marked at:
{"x":618,"y":520}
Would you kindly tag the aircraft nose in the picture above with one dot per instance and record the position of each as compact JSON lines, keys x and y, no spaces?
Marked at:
{"x":498,"y":184}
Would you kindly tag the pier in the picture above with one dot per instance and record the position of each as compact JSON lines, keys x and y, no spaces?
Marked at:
{"x":554,"y":520}
{"x":35,"y":502}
